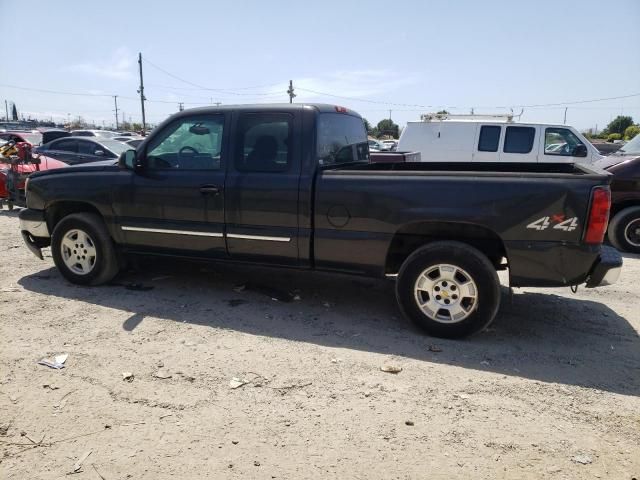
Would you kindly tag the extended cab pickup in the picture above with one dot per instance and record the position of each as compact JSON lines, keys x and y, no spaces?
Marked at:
{"x":292,"y":185}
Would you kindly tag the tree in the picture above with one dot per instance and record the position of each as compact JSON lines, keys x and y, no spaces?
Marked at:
{"x":14,"y":112}
{"x":367,"y":126}
{"x":619,"y":124}
{"x":387,"y":127}
{"x":631,"y":132}
{"x":442,"y":112}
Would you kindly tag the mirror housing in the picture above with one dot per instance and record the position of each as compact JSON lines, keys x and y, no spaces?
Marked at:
{"x":127,"y":160}
{"x":580,"y":150}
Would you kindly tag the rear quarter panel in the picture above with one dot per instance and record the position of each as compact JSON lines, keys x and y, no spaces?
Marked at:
{"x":373,"y":206}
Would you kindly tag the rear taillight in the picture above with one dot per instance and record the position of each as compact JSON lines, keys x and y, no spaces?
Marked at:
{"x":598,"y":215}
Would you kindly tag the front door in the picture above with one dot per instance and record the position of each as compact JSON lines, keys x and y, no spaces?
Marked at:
{"x":177,"y":197}
{"x":262,"y":189}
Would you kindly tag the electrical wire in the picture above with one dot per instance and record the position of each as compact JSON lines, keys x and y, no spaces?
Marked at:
{"x":200,"y":87}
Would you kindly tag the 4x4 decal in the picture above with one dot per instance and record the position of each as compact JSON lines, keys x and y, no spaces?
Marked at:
{"x":557,"y":222}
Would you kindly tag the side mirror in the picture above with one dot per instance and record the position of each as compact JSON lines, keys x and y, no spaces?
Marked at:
{"x":99,"y":153}
{"x":127,"y":160}
{"x":580,"y":150}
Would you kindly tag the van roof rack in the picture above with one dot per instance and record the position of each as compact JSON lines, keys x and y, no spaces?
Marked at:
{"x":430,"y":117}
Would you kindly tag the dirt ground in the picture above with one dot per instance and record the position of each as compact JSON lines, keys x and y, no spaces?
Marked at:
{"x":551,"y":390}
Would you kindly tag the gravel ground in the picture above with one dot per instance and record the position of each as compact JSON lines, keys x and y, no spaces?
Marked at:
{"x":551,"y":390}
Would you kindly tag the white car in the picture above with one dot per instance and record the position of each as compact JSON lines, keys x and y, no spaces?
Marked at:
{"x":494,"y":138}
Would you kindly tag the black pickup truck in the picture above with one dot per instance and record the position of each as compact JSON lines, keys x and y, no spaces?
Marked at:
{"x":292,"y":186}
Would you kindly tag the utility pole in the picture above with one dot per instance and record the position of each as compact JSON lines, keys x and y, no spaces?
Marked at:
{"x":290,"y":92}
{"x":217,"y":104}
{"x":6,"y":109}
{"x":141,"y":92}
{"x":180,"y":106}
{"x":565,"y":115}
{"x":389,"y":114}
{"x":115,"y":101}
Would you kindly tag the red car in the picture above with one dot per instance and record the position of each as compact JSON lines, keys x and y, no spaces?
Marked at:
{"x":24,"y":169}
{"x":33,"y":138}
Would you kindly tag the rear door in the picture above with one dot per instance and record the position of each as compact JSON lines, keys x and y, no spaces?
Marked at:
{"x":65,"y":150}
{"x":177,"y":199}
{"x":520,"y":144}
{"x":261,"y":203}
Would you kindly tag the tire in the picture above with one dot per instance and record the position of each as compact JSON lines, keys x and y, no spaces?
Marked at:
{"x":449,"y":272}
{"x":622,"y":228}
{"x":84,"y":233}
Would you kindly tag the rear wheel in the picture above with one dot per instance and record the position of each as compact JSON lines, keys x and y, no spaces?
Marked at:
{"x":83,"y":251}
{"x":449,"y":289}
{"x":624,"y":230}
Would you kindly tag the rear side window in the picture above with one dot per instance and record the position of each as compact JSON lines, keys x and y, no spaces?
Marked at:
{"x":263,"y":143}
{"x":519,"y":139}
{"x":489,"y":138}
{"x":65,"y":146}
{"x":341,"y":138}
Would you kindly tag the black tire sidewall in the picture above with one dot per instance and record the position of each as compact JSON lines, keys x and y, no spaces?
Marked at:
{"x":103,"y":250}
{"x":470,"y":260}
{"x":618,"y":226}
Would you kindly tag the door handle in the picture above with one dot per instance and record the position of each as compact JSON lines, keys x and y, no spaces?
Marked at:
{"x":209,"y":189}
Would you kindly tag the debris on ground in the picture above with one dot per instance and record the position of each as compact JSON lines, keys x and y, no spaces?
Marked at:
{"x":434,"y":348}
{"x":235,"y":382}
{"x":273,"y":293}
{"x":57,"y":362}
{"x":485,"y":363}
{"x":582,"y":459}
{"x":409,"y":423}
{"x":138,"y":287}
{"x":391,"y":369}
{"x":78,"y":465}
{"x":236,"y":302}
{"x":127,"y":376}
{"x":50,"y":387}
{"x":162,"y":374}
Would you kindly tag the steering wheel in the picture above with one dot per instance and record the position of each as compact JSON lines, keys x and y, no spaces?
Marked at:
{"x":188,"y":148}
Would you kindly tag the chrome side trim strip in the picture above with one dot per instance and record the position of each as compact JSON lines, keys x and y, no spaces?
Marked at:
{"x":175,"y":232}
{"x":258,"y":237}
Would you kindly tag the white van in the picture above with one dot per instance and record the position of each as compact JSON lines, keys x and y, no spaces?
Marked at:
{"x":494,"y":138}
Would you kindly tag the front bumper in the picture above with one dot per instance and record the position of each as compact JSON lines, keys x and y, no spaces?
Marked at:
{"x":35,"y":233}
{"x":607,"y":268}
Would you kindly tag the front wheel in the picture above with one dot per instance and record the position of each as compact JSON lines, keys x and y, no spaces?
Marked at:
{"x":83,"y":251}
{"x":624,"y":230}
{"x":449,"y":289}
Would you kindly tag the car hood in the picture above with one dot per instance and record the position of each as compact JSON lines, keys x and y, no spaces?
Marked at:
{"x":82,"y":167}
{"x":613,"y":159}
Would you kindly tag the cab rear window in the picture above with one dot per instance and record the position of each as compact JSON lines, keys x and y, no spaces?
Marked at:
{"x":341,"y":138}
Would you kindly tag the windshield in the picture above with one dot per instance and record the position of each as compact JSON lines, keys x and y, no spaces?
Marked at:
{"x":115,"y":146}
{"x":632,"y":147}
{"x":341,"y":139}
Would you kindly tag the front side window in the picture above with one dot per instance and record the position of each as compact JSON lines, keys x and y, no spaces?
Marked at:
{"x":519,"y":139}
{"x":263,"y":143}
{"x":189,"y":143}
{"x":341,"y":138}
{"x":88,"y":148}
{"x":489,"y":138}
{"x":65,"y":146}
{"x":560,"y":141}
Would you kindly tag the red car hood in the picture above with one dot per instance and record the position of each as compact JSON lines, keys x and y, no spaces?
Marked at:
{"x":46,"y":163}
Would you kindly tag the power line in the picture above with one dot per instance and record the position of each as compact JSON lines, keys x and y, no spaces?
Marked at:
{"x":200,"y":87}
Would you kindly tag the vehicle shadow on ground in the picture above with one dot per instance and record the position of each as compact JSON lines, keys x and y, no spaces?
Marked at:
{"x":538,"y":336}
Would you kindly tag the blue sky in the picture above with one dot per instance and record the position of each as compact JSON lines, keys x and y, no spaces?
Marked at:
{"x":426,"y":55}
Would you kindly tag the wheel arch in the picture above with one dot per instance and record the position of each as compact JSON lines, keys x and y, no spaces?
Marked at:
{"x":60,"y":209}
{"x":410,"y":237}
{"x":618,"y":207}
